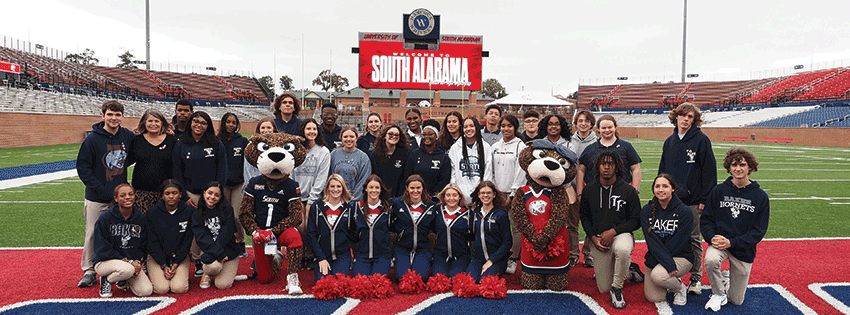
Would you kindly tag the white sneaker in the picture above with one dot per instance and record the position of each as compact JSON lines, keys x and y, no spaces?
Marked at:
{"x":511,"y":269}
{"x":715,"y":302}
{"x":680,"y":296}
{"x":293,"y":285}
{"x":617,"y":300}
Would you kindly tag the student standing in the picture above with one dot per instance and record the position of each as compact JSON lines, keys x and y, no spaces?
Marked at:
{"x":530,"y":121}
{"x":331,"y":131}
{"x":610,"y":212}
{"x":414,"y":127}
{"x":366,"y":142}
{"x":510,"y":176}
{"x":265,"y":125}
{"x":581,"y":139}
{"x":286,"y":110}
{"x":152,"y":154}
{"x":491,"y":132}
{"x":120,"y":241}
{"x":101,"y":167}
{"x":169,"y":238}
{"x":349,"y":162}
{"x":389,"y":160}
{"x":492,"y":241}
{"x":734,"y":221}
{"x":472,"y":158}
{"x":329,"y":227}
{"x":450,"y":131}
{"x":609,"y":140}
{"x":430,"y":162}
{"x":666,"y":224}
{"x":234,"y":146}
{"x":183,"y":109}
{"x":689,"y":158}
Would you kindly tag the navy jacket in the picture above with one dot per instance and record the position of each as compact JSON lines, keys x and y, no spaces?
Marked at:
{"x":603,"y":209}
{"x":327,"y":241}
{"x":215,"y":235}
{"x":292,"y":127}
{"x":373,"y":240}
{"x":453,"y":241}
{"x":739,"y":214}
{"x":195,"y":164}
{"x":670,"y":235}
{"x":235,"y":159}
{"x":435,"y":168}
{"x":102,"y":161}
{"x":494,"y":241}
{"x":331,"y":137}
{"x":391,"y":171}
{"x":169,"y":235}
{"x":413,"y":236}
{"x":366,"y":143}
{"x":691,"y":163}
{"x":117,"y":238}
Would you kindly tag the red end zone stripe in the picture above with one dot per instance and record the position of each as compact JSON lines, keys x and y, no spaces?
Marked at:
{"x":32,"y":274}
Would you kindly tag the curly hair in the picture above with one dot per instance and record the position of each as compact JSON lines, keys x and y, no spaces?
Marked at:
{"x":381,"y":143}
{"x":498,"y":197}
{"x":279,"y":99}
{"x":740,"y":154}
{"x":605,"y":156}
{"x":543,"y":126}
{"x":682,"y":110}
{"x":588,"y":115}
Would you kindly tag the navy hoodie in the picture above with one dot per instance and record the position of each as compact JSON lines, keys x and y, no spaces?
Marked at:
{"x":453,"y":240}
{"x":366,"y":143}
{"x":331,"y":138}
{"x":739,"y":214}
{"x":196,"y":163}
{"x":494,"y":241}
{"x":215,"y":234}
{"x":102,"y":161}
{"x":671,"y":233}
{"x":235,"y":159}
{"x":617,"y":207}
{"x":435,"y":168}
{"x":119,"y":238}
{"x":691,"y":162}
{"x":293,"y":126}
{"x":373,"y":240}
{"x":330,"y":241}
{"x":413,"y":236}
{"x":391,"y":170}
{"x":169,"y":235}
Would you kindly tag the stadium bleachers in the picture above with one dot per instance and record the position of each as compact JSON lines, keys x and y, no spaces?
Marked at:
{"x":813,"y":117}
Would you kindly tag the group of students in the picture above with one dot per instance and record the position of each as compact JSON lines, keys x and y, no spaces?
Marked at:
{"x":370,"y":194}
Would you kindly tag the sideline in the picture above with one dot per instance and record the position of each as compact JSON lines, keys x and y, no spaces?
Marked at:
{"x":35,"y":179}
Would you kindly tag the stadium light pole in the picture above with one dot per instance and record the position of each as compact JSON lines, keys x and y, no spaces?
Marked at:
{"x":684,"y":38}
{"x":147,"y":35}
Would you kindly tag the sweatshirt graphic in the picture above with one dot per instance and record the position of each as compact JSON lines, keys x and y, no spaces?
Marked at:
{"x":740,"y":214}
{"x":102,"y":161}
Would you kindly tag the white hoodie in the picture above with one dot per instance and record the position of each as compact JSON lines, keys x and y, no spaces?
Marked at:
{"x":507,"y":175}
{"x":467,"y":180}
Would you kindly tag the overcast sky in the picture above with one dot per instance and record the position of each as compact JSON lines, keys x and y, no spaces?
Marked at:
{"x":550,"y":46}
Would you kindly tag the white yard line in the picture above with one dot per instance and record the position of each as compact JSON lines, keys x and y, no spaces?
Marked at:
{"x":35,"y":179}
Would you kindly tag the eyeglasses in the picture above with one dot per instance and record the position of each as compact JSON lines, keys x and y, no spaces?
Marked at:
{"x":199,"y":122}
{"x":393,"y":134}
{"x":531,"y":121}
{"x":329,"y":114}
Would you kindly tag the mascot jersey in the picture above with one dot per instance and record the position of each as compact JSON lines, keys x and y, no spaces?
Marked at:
{"x":538,"y":207}
{"x":272,"y":206}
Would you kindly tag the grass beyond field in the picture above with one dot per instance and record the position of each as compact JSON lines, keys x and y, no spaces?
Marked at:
{"x":809,"y":189}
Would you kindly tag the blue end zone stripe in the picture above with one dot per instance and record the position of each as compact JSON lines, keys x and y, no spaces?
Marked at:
{"x":36,"y":169}
{"x":89,"y":306}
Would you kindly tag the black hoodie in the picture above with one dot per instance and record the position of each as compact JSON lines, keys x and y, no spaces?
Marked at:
{"x":616,"y":207}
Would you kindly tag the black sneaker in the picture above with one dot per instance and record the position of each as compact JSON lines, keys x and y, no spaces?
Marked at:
{"x":588,"y":262}
{"x":89,"y":278}
{"x":122,"y":285}
{"x":105,"y":288}
{"x":573,"y":262}
{"x":637,"y":275}
{"x":617,"y":300}
{"x":199,"y":269}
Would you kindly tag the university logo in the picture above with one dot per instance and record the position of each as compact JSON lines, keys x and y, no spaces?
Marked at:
{"x":397,"y":164}
{"x":183,"y":226}
{"x":237,"y":151}
{"x":435,"y":165}
{"x":421,"y":22}
{"x":537,"y":207}
{"x":114,"y":160}
{"x":691,"y":155}
{"x":209,"y":152}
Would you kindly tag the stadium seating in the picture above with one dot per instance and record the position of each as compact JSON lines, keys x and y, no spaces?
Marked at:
{"x":812,"y":117}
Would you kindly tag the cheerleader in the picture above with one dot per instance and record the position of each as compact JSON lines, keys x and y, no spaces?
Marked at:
{"x":214,"y":226}
{"x":329,"y":227}
{"x":372,"y":220}
{"x":491,"y":245}
{"x":413,"y":218}
{"x":454,"y":231}
{"x":666,"y":224}
{"x":120,"y":238}
{"x":169,"y":239}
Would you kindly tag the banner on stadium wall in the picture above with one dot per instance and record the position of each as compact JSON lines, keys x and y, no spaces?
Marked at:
{"x":385,"y":64}
{"x":10,"y":67}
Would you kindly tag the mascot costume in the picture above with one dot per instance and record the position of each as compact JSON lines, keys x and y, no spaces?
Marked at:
{"x":540,"y":215}
{"x":271,"y":206}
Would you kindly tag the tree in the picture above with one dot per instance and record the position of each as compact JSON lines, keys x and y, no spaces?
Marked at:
{"x":328,"y":80}
{"x":492,"y":88}
{"x":573,"y":95}
{"x":85,"y":58}
{"x":267,"y":82}
{"x":126,"y":60}
{"x":286,"y":83}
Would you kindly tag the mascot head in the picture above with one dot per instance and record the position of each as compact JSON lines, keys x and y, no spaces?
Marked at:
{"x":548,"y":164}
{"x":275,"y":154}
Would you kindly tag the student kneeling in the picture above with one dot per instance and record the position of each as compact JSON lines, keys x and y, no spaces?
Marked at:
{"x":214,"y":227}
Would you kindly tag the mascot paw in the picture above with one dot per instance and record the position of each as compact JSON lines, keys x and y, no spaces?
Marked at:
{"x":262,"y":236}
{"x":540,"y":242}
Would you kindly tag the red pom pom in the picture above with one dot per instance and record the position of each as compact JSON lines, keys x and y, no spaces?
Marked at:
{"x":439,"y":284}
{"x":464,"y":286}
{"x":411,"y":283}
{"x":360,"y":287}
{"x":493,"y":287}
{"x":556,"y":247}
{"x":328,"y":288}
{"x":381,"y":286}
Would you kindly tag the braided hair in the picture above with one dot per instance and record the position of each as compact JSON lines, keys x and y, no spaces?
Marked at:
{"x":654,"y":202}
